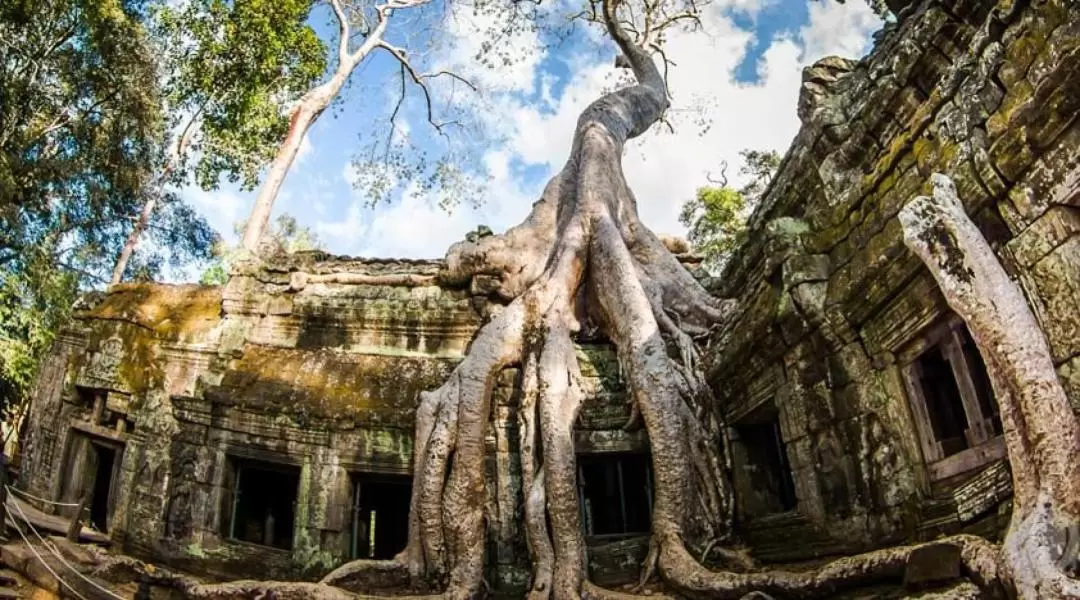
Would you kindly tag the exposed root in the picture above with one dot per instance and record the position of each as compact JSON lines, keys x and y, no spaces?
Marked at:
{"x":979,"y":558}
{"x":532,"y":476}
{"x":590,"y":591}
{"x":369,"y":574}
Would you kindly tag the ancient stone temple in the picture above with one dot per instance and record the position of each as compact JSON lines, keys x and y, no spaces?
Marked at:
{"x":265,"y":428}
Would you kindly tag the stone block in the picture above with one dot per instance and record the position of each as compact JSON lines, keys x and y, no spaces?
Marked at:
{"x":930,"y":566}
{"x":1069,"y":373}
{"x":1057,"y":281}
{"x":803,"y":268}
{"x":35,"y":571}
{"x":280,"y":305}
{"x":484,"y":285}
{"x":1052,"y":229}
{"x":16,"y":556}
{"x":74,"y":553}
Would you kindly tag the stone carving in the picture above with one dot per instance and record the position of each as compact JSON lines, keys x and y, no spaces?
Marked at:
{"x":104,"y":363}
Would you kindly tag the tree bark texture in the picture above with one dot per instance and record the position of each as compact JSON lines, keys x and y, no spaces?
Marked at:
{"x":133,"y":238}
{"x":1042,"y":433}
{"x":153,"y":195}
{"x":303,"y":117}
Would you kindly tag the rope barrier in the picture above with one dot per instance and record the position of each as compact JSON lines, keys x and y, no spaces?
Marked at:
{"x":39,"y":499}
{"x":52,"y":550}
{"x":43,"y":563}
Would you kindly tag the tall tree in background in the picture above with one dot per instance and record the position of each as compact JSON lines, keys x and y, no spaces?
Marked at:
{"x":79,"y":132}
{"x":716,"y":217}
{"x":228,"y":72}
{"x":362,"y":29}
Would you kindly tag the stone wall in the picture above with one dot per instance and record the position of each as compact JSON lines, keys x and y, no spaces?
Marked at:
{"x":311,"y":363}
{"x":834,"y":310}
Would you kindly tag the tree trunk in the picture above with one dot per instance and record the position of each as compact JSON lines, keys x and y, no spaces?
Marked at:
{"x":133,"y":238}
{"x":157,"y":189}
{"x":303,"y":117}
{"x":308,"y":110}
{"x":1042,"y":434}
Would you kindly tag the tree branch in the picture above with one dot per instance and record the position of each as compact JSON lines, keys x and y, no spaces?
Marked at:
{"x":420,"y":80}
{"x":343,"y":31}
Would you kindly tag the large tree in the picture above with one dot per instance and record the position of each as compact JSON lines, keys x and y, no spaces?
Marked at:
{"x":80,"y":133}
{"x":583,"y":257}
{"x":363,"y":28}
{"x":227,"y":71}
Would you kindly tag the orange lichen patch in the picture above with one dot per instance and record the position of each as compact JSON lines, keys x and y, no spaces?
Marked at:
{"x":171,"y":311}
{"x":329,"y":383}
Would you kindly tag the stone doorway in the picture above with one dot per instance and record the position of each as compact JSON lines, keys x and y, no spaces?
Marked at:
{"x":92,"y":470}
{"x":380,"y":515}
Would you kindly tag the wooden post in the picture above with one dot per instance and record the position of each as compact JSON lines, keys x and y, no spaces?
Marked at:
{"x":76,"y":521}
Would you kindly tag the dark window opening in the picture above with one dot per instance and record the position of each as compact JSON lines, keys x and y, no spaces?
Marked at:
{"x":263,"y":503}
{"x":767,"y":467}
{"x":944,"y":405}
{"x":380,"y":515}
{"x":103,"y":474}
{"x":615,"y":494}
{"x":86,"y":396}
{"x":984,"y":390}
{"x":952,"y":401}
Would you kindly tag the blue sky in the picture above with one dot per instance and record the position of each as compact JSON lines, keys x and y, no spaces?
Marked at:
{"x":740,"y":76}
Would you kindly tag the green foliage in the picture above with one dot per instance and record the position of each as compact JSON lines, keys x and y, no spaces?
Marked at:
{"x":717,"y":215}
{"x":228,"y":72}
{"x":285,"y":236}
{"x":231,"y":69}
{"x":97,"y":96}
{"x":79,"y":128}
{"x":80,"y":134}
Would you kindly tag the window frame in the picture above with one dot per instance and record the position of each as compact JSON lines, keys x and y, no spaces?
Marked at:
{"x":231,"y":484}
{"x":357,"y":479}
{"x":983,"y":445}
{"x":617,"y":460}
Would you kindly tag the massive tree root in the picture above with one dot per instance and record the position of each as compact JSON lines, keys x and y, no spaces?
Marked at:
{"x":584,"y":257}
{"x":1042,"y":433}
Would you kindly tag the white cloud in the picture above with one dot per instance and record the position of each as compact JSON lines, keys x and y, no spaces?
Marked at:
{"x":222,"y":208}
{"x":750,"y":8}
{"x":469,"y":33}
{"x":838,"y":29}
{"x":414,"y":227}
{"x":664,"y":169}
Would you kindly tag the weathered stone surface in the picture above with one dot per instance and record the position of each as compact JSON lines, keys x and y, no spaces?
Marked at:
{"x":982,"y":91}
{"x":932,"y":565}
{"x":314,"y":362}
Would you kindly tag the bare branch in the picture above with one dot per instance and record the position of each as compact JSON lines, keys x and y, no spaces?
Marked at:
{"x":420,"y":79}
{"x":397,"y":107}
{"x":343,"y":31}
{"x":451,"y":75}
{"x":722,"y":181}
